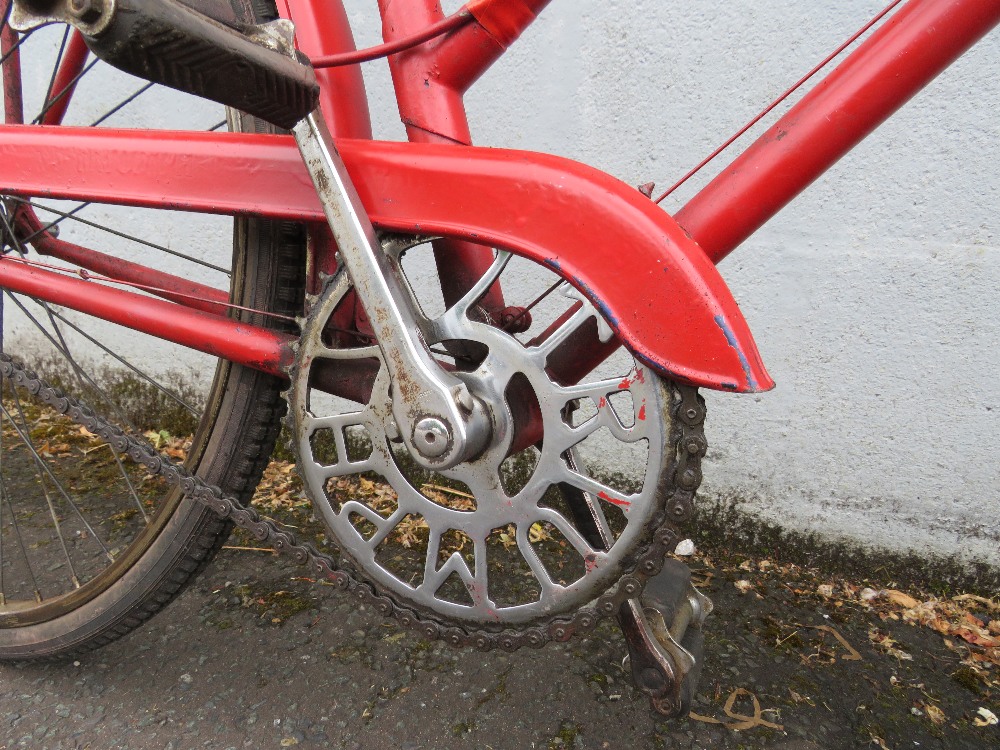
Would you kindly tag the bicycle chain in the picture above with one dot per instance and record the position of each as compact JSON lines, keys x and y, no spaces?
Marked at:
{"x":688,"y":410}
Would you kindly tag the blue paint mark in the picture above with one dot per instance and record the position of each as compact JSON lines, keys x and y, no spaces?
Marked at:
{"x":731,"y":340}
{"x":598,"y":302}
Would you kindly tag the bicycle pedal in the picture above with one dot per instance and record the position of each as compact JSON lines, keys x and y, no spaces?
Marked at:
{"x":254,"y":69}
{"x":663,"y":632}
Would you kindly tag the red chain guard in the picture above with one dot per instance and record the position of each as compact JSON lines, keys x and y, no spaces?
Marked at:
{"x":654,"y":284}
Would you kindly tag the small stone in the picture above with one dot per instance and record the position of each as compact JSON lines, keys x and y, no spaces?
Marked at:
{"x":186,"y":678}
{"x":685,"y":548}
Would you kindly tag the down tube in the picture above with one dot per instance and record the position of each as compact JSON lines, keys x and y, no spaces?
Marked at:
{"x":904,"y":55}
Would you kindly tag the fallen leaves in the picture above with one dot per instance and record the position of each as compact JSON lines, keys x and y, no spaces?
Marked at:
{"x":900,"y":599}
{"x":887,"y":645}
{"x":935,"y":714}
{"x":741,"y":722}
{"x":985,"y":718}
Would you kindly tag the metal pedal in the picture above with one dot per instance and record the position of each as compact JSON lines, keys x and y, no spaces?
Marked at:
{"x":254,"y":69}
{"x":665,"y":642}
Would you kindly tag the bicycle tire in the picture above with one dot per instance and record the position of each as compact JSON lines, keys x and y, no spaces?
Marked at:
{"x":230,"y":449}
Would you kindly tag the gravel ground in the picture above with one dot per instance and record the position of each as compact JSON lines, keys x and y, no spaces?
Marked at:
{"x":252,"y":656}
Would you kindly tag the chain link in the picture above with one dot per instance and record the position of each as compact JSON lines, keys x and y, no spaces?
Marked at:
{"x":687,"y":436}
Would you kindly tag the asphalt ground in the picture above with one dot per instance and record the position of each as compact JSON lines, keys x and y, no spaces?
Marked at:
{"x":253,"y":656}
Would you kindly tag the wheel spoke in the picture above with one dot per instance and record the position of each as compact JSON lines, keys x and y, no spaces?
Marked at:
{"x":43,"y":471}
{"x":172,"y":395}
{"x":125,"y":236}
{"x":52,"y":224}
{"x":122,"y":104}
{"x":55,"y":68}
{"x":66,"y":90}
{"x":16,"y":46}
{"x":126,"y":422}
{"x":29,"y":444}
{"x":5,"y":500}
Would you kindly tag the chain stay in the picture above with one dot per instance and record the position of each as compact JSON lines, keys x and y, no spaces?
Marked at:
{"x":688,"y":410}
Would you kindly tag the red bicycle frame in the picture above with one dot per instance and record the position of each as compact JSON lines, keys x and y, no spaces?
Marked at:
{"x":662,"y":296}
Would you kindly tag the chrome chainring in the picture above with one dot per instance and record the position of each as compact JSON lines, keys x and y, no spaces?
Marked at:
{"x":523,"y":533}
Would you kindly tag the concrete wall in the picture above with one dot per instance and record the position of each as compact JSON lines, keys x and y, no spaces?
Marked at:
{"x":873,"y":297}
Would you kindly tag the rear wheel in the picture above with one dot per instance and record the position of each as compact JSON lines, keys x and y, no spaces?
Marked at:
{"x":90,"y":545}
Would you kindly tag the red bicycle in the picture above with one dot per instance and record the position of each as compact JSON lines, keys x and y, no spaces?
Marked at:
{"x":466,"y":324}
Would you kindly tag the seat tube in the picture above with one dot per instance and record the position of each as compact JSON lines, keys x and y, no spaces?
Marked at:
{"x":430,"y":83}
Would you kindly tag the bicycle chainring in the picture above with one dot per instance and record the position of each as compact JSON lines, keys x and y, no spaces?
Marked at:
{"x":449,"y":592}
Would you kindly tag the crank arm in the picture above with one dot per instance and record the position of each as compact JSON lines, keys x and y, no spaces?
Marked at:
{"x":662,"y":627}
{"x":254,"y":69}
{"x":436,"y":416}
{"x":665,"y":643}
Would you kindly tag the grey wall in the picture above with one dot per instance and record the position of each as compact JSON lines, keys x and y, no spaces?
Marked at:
{"x":873,"y":297}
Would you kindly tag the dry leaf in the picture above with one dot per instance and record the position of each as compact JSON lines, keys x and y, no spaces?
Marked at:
{"x":888,"y":645}
{"x":989,"y":603}
{"x":898,"y":597}
{"x":985,"y":718}
{"x":743,"y":586}
{"x":935,"y":714}
{"x":825,"y":590}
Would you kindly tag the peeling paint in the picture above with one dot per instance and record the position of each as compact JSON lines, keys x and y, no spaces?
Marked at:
{"x":731,"y":340}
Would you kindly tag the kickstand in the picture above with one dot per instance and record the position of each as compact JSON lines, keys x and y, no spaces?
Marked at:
{"x":665,"y":643}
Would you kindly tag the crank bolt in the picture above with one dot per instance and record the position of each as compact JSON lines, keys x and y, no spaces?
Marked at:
{"x":431,"y":437}
{"x":88,"y":11}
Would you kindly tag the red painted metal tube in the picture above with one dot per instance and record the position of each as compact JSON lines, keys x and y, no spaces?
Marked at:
{"x":174,"y":288}
{"x":74,"y":58}
{"x":322,"y":28}
{"x":435,"y":113}
{"x":238,"y":342}
{"x":663,"y":297}
{"x":903,"y":56}
{"x":431,"y":80}
{"x":13,"y":100}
